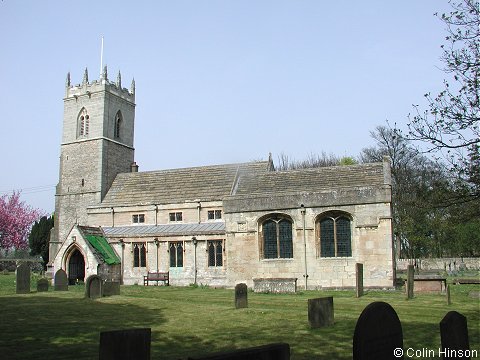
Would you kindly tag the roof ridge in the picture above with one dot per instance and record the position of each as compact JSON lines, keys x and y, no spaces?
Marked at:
{"x":220,"y":166}
{"x":319,"y":168}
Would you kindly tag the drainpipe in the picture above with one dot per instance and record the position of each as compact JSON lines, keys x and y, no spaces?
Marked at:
{"x":156,"y":219}
{"x":199,"y":206}
{"x":303,"y":211}
{"x":113,"y":216}
{"x":194,"y":241}
{"x":156,"y":244}
{"x":122,"y":243}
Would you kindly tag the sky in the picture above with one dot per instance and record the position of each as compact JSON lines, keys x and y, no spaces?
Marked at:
{"x":216,"y":81}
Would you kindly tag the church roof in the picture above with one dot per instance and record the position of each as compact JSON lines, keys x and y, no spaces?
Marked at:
{"x":310,"y":180}
{"x":213,"y":228}
{"x":205,"y":183}
{"x":99,"y":245}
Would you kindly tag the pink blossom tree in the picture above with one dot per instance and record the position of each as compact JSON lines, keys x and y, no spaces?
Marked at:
{"x":16,"y":220}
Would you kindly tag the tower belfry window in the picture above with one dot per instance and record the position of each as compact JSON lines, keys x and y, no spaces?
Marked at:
{"x":83,"y":123}
{"x":118,"y":125}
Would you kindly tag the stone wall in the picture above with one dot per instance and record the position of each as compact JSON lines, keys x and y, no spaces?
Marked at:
{"x":90,"y":162}
{"x":371,"y":245}
{"x":441,"y":264}
{"x":74,"y":241}
{"x":179,"y":276}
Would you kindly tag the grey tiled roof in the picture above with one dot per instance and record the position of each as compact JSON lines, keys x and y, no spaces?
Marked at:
{"x":310,"y":180}
{"x":204,"y":183}
{"x":212,"y":228}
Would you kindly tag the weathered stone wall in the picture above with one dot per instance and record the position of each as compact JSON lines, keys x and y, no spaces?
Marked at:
{"x":90,"y":162}
{"x":110,"y":272}
{"x":154,"y":214}
{"x":181,"y":276}
{"x":441,"y":264}
{"x":371,"y":243}
{"x":74,"y":241}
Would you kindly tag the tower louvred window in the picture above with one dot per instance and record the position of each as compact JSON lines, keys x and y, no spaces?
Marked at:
{"x":84,"y":123}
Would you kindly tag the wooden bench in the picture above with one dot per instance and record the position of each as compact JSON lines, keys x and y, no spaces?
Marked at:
{"x":156,"y":276}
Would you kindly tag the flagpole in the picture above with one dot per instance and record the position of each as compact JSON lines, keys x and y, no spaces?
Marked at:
{"x":101,"y":59}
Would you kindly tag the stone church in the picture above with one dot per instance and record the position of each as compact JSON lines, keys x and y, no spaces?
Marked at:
{"x":215,"y":225}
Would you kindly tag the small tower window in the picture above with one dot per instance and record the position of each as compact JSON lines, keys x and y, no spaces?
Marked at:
{"x":118,"y":125}
{"x":83,"y":123}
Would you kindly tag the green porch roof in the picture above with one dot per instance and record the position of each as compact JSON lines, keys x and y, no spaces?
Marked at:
{"x":104,"y":249}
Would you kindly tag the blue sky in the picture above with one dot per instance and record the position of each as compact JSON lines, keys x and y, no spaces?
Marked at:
{"x":216,"y":81}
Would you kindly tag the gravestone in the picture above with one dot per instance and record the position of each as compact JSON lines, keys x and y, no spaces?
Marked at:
{"x":410,"y":281}
{"x":61,"y":281}
{"x":125,"y":344}
{"x":241,"y":300}
{"x":320,"y":312}
{"x":110,"y":288}
{"x":93,"y":287}
{"x":23,"y":279}
{"x":454,"y":336}
{"x":359,"y":280}
{"x":378,"y":333}
{"x":42,"y":285}
{"x":280,"y":351}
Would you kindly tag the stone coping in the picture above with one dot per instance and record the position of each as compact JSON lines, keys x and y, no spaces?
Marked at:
{"x":275,"y":279}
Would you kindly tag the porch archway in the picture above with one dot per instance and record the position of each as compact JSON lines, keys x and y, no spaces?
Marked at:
{"x":76,"y":267}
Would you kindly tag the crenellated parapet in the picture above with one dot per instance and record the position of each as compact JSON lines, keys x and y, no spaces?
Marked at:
{"x":87,"y":88}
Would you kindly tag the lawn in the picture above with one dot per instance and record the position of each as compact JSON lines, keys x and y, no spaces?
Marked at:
{"x":195,"y":321}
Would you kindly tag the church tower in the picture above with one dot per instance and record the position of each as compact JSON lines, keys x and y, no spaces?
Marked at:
{"x":97,"y":144}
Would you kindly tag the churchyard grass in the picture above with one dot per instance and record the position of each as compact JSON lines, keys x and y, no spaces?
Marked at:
{"x":195,"y":321}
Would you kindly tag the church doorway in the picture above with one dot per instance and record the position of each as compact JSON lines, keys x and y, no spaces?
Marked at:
{"x":76,"y":268}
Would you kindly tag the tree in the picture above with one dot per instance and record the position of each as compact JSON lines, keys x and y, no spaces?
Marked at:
{"x":450,"y":126}
{"x":416,"y":182}
{"x":16,"y":219}
{"x":312,"y":161}
{"x":39,"y":237}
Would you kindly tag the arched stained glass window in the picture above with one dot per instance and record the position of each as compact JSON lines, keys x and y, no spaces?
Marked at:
{"x":335,"y":236}
{"x":176,"y":254}
{"x":277,"y":239}
{"x":139,"y":255}
{"x":215,"y":253}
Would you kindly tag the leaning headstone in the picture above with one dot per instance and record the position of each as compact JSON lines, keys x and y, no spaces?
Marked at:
{"x":378,"y":333}
{"x":23,"y":279}
{"x":454,"y":336}
{"x":42,"y":285}
{"x":125,"y":344}
{"x":359,"y":280}
{"x":410,"y":280}
{"x":241,"y":300}
{"x":320,"y":312}
{"x":280,"y":351}
{"x":110,"y":288}
{"x":61,"y":281}
{"x":93,"y":287}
